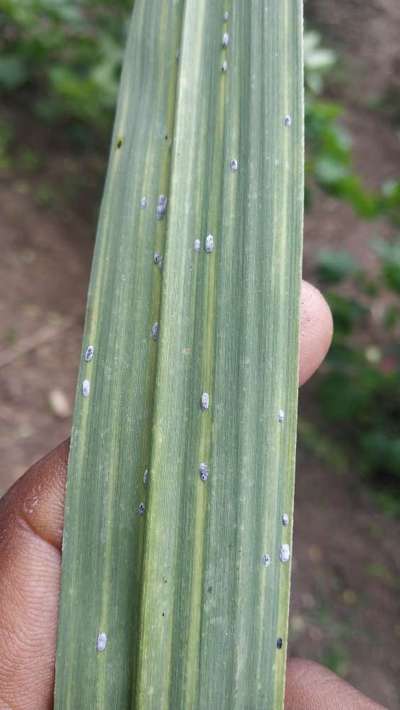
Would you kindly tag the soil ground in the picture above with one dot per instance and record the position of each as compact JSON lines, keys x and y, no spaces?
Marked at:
{"x":345,"y":600}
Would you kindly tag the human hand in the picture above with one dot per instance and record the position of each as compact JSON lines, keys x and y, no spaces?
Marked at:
{"x":31,"y":525}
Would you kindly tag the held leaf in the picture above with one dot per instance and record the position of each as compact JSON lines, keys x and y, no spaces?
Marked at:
{"x":178,"y":521}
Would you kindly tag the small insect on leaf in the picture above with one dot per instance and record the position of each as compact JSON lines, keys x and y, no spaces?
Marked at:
{"x":161,"y":207}
{"x":210,"y":244}
{"x":284,"y":553}
{"x":101,"y":642}
{"x":203,"y":470}
{"x":89,"y":354}
{"x":225,"y":39}
{"x":205,"y":401}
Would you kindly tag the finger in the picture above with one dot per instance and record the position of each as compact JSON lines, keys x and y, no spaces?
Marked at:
{"x":31,"y":519}
{"x":316,"y":329}
{"x":312,"y":687}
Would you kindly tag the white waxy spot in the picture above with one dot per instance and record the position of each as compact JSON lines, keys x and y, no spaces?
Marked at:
{"x":284,"y":553}
{"x":225,"y":39}
{"x":281,"y":416}
{"x":155,"y":329}
{"x":146,"y":477}
{"x":210,"y":244}
{"x":86,"y":388}
{"x":197,"y":245}
{"x":205,"y":401}
{"x":287,"y":121}
{"x":157,"y":258}
{"x":203,"y":470}
{"x":266,"y":560}
{"x":285,"y":519}
{"x":161,"y":206}
{"x":143,"y":203}
{"x":89,"y":354}
{"x":101,"y":642}
{"x":224,"y":66}
{"x":226,"y":16}
{"x":141,"y":508}
{"x":234,"y":165}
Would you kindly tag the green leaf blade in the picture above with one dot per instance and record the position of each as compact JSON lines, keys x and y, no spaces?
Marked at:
{"x":193,"y":594}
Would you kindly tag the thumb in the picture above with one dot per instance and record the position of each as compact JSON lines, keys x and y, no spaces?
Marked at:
{"x":31,"y":520}
{"x":309,"y":686}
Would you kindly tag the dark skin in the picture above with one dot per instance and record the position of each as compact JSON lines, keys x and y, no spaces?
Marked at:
{"x":31,"y":526}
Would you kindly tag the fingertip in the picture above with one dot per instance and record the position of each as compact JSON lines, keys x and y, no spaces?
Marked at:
{"x":38,"y":497}
{"x":316,"y":330}
{"x":310,"y":686}
{"x":31,"y":521}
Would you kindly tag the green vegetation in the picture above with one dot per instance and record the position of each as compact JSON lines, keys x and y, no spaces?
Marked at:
{"x":183,"y":501}
{"x":66,"y":56}
{"x":329,"y":154}
{"x":63,"y":61}
{"x":359,"y":390}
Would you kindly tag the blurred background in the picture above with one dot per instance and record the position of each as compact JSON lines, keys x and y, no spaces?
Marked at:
{"x":59,"y":69}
